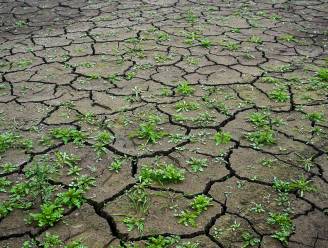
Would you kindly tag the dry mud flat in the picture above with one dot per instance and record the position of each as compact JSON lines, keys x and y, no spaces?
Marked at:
{"x":171,"y":123}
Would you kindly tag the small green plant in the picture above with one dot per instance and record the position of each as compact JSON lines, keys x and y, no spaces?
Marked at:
{"x":88,"y":117}
{"x":192,"y":60}
{"x":20,"y":24}
{"x":197,"y":165}
{"x":139,"y":198}
{"x":24,"y":63}
{"x":161,"y":242}
{"x":8,"y":167}
{"x":164,"y":173}
{"x":4,"y":183}
{"x":191,"y":17}
{"x":230,"y":45}
{"x":322,"y":74}
{"x":285,"y":224}
{"x":249,"y":240}
{"x":235,"y":30}
{"x":185,"y":89}
{"x":197,"y":206}
{"x":315,"y":117}
{"x":65,"y":159}
{"x":222,"y":138}
{"x":184,"y":106}
{"x":300,"y":185}
{"x":270,"y":80}
{"x":187,"y":218}
{"x":93,"y":76}
{"x":188,"y":245}
{"x":255,"y":39}
{"x":51,"y":241}
{"x":162,"y":58}
{"x":116,"y":165}
{"x":201,"y":203}
{"x":206,"y":43}
{"x":261,"y":137}
{"x":288,"y":38}
{"x":73,"y":197}
{"x":162,"y":36}
{"x":69,"y":135}
{"x":257,"y":208}
{"x":279,"y":95}
{"x":114,"y":78}
{"x":49,"y":215}
{"x":148,"y":131}
{"x":103,"y":139}
{"x":8,"y":140}
{"x":134,"y":223}
{"x":192,"y":37}
{"x":203,"y":119}
{"x":130,"y":75}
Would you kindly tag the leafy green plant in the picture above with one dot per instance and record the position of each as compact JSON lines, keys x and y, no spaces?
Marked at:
{"x":188,"y":245}
{"x":255,"y":39}
{"x":201,"y":203}
{"x":69,"y":135}
{"x":249,"y":240}
{"x":7,"y":141}
{"x":322,"y":74}
{"x":164,"y":173}
{"x":288,"y":38}
{"x":73,"y":197}
{"x":75,"y":244}
{"x":8,"y":167}
{"x":51,"y":241}
{"x":116,"y":165}
{"x":205,"y":42}
{"x":315,"y":117}
{"x":63,"y":158}
{"x":161,"y":242}
{"x":285,"y":223}
{"x":270,"y":80}
{"x":102,"y":139}
{"x":134,"y":223}
{"x":197,"y":206}
{"x":222,"y":138}
{"x":263,"y":119}
{"x":261,"y":137}
{"x":162,"y":58}
{"x":300,"y":185}
{"x":187,"y":217}
{"x":203,"y":119}
{"x":230,"y":45}
{"x":88,"y":117}
{"x":185,"y":89}
{"x":197,"y":165}
{"x":257,"y":208}
{"x":184,"y":106}
{"x":149,"y":132}
{"x":49,"y":215}
{"x":139,"y":198}
{"x":21,"y":24}
{"x":4,"y":184}
{"x":162,"y":36}
{"x":191,"y":17}
{"x":279,"y":95}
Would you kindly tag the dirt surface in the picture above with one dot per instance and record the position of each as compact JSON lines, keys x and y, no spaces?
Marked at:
{"x":117,"y":117}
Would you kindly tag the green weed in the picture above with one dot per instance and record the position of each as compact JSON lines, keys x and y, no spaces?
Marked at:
{"x":164,"y":173}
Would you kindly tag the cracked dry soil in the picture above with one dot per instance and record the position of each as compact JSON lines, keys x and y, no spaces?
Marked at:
{"x":169,"y":123}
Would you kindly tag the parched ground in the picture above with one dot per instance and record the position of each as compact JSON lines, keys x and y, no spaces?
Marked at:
{"x":164,"y":123}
